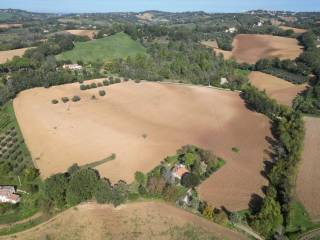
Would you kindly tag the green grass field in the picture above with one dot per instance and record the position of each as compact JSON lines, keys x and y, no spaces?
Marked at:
{"x":5,"y":16}
{"x":119,"y":45}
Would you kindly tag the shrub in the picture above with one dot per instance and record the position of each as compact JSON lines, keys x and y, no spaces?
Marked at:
{"x":100,"y":84}
{"x":54,"y":101}
{"x":93,"y":97}
{"x":111,"y":81}
{"x":83,"y":87}
{"x":126,"y":79}
{"x":65,"y":99}
{"x":111,"y":78}
{"x":102,"y":93}
{"x":235,"y":149}
{"x":105,"y":82}
{"x":137,"y":81}
{"x":76,"y":99}
{"x":93,"y":85}
{"x":80,"y":81}
{"x":117,"y":80}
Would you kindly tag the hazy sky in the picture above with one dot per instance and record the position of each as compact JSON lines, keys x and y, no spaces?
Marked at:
{"x":164,"y":5}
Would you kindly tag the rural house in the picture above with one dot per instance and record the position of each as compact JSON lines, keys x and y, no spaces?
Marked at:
{"x":7,"y":195}
{"x":179,"y":170}
{"x":72,"y":66}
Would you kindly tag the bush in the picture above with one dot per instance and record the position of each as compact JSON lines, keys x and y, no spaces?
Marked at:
{"x":111,"y":81}
{"x":76,"y":98}
{"x":105,"y":82}
{"x":93,"y":97}
{"x":137,"y":81}
{"x":83,"y":87}
{"x":93,"y":85}
{"x":65,"y":99}
{"x":102,"y":93}
{"x":100,"y":84}
{"x":126,"y":79}
{"x":54,"y":101}
{"x":117,"y":80}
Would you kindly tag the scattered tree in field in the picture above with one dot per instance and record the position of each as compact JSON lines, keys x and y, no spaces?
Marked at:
{"x":102,"y":93}
{"x":55,"y":101}
{"x":65,"y":99}
{"x":76,"y":98}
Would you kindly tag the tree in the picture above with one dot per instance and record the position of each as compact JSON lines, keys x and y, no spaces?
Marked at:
{"x":190,"y":180}
{"x":55,"y":189}
{"x":73,"y":169}
{"x":155,"y":185}
{"x":103,"y":191}
{"x":269,"y":219}
{"x":82,"y":186}
{"x":119,"y":193}
{"x":140,"y":178}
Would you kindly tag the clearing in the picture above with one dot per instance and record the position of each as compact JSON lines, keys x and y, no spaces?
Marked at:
{"x":144,"y":220}
{"x":169,"y":115}
{"x":295,"y":30}
{"x":249,"y":48}
{"x":83,"y":32}
{"x":10,"y":25}
{"x":279,"y":89}
{"x":214,"y":46}
{"x":119,"y":45}
{"x":308,"y":180}
{"x":8,"y":55}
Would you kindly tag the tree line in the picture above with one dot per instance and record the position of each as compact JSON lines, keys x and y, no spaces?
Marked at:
{"x":288,"y":131}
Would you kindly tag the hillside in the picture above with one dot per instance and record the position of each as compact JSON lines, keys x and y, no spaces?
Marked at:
{"x":146,"y":220}
{"x":119,"y":45}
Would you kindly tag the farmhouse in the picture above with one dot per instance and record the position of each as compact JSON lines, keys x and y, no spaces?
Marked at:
{"x":7,"y":195}
{"x":178,"y":171}
{"x":231,"y":30}
{"x":72,"y":66}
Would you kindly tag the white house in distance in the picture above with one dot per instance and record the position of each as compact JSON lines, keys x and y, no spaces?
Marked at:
{"x":75,"y":67}
{"x":231,"y":30}
{"x":178,"y":171}
{"x":7,"y":195}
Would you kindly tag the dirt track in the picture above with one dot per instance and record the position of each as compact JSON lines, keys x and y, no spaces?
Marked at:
{"x":145,"y":220}
{"x":169,"y":115}
{"x":250,"y":48}
{"x":308,"y":181}
{"x":279,"y":89}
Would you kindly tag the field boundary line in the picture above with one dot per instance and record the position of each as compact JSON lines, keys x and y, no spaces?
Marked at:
{"x":194,"y":85}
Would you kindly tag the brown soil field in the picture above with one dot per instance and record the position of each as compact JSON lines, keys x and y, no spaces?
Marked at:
{"x":8,"y":55}
{"x":308,"y":180}
{"x":295,"y":30}
{"x":81,"y":32}
{"x":10,"y":25}
{"x":144,"y":220}
{"x":250,"y":48}
{"x":170,"y":115}
{"x":279,"y":89}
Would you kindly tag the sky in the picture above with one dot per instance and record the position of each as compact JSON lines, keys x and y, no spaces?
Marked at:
{"x":68,"y":6}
